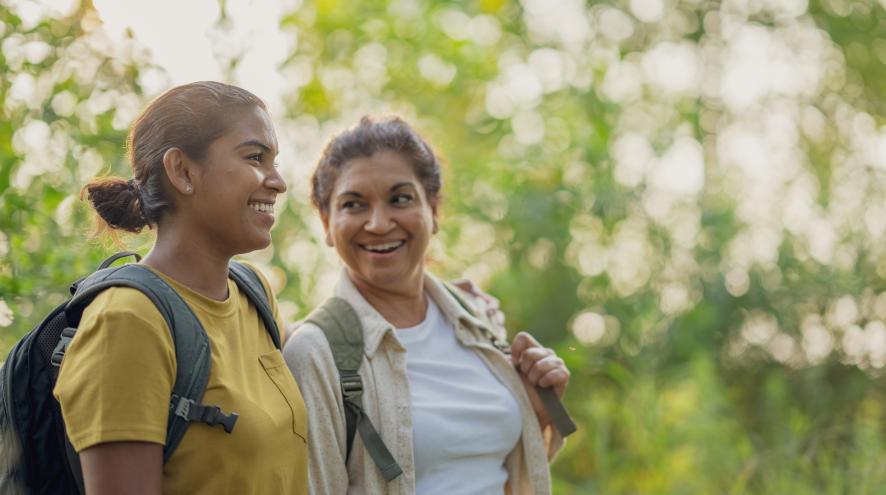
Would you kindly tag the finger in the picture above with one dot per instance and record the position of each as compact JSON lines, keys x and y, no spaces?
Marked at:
{"x":543,"y":366}
{"x":487,"y":302}
{"x":471,"y":288}
{"x":521,"y":341}
{"x":556,"y":378}
{"x":530,"y":357}
{"x":465,"y":285}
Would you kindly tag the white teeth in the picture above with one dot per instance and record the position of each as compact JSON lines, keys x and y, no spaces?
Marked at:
{"x":384,"y":247}
{"x":262,"y":207}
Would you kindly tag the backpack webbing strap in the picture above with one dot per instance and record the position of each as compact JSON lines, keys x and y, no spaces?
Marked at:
{"x":192,"y":353}
{"x":344,"y":332}
{"x":553,"y":405}
{"x":189,"y":337}
{"x":556,"y":411}
{"x":373,"y":443}
{"x":248,"y":281}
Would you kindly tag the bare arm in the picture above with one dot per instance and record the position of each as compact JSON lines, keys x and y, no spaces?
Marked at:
{"x":134,"y":468}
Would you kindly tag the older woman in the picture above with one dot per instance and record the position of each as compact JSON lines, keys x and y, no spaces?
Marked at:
{"x":455,"y":414}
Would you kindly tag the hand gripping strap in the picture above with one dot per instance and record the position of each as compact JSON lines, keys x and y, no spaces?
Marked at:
{"x":344,"y":332}
{"x":553,"y":405}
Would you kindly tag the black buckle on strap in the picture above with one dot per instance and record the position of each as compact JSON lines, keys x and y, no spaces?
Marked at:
{"x":59,"y":352}
{"x":190,"y":410}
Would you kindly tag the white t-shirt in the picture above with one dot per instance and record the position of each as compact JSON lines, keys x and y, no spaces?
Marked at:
{"x":465,"y":421}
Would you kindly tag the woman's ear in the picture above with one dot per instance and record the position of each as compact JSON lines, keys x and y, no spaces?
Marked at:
{"x":179,"y":170}
{"x":436,"y":227}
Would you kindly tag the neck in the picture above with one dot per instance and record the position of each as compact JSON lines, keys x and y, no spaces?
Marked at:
{"x":191,"y":263}
{"x":403,"y":307}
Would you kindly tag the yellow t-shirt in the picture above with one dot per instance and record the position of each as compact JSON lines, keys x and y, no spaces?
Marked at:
{"x":117,"y":376}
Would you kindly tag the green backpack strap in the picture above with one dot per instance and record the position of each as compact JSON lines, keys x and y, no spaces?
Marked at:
{"x":552,"y":404}
{"x":341,"y":325}
{"x":192,"y":351}
{"x":249,"y":282}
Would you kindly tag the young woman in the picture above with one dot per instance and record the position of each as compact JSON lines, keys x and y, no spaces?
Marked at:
{"x":203,"y":169}
{"x":451,"y":408}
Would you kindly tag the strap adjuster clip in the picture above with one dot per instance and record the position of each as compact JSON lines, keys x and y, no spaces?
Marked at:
{"x":351,"y":383}
{"x":58,"y":354}
{"x":190,"y":410}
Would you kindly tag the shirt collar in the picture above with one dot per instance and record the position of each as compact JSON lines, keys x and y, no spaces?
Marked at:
{"x":452,"y":309}
{"x":375,"y":327}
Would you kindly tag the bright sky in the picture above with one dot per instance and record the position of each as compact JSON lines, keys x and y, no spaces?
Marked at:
{"x":185,"y":39}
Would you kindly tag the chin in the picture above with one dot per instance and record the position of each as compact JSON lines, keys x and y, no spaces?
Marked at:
{"x":387,"y":280}
{"x":256,"y":244}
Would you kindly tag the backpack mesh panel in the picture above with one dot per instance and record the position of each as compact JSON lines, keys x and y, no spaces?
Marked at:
{"x":49,"y":336}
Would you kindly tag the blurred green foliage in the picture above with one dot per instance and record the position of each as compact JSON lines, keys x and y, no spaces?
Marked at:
{"x":684,"y":198}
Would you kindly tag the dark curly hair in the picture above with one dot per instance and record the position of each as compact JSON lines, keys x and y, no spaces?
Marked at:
{"x":364,"y":140}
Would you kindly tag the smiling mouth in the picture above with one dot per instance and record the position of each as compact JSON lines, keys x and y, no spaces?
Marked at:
{"x":382,"y":248}
{"x":262,"y":207}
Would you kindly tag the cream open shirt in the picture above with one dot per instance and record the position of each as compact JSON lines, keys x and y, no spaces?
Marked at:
{"x":386,"y":400}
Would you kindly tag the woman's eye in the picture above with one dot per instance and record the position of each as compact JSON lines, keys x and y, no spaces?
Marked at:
{"x":257,"y":158}
{"x":401,"y":199}
{"x":349,"y":205}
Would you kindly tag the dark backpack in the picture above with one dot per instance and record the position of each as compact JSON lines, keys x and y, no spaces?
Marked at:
{"x":36,"y":456}
{"x":344,"y":332}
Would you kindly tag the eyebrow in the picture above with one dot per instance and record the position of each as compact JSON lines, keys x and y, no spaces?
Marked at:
{"x":349,"y":193}
{"x":396,"y":186}
{"x":254,"y":142}
{"x":401,"y":185}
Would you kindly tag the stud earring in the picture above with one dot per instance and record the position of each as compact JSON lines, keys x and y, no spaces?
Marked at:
{"x":188,"y":189}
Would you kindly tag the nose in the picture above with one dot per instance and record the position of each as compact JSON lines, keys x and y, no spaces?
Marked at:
{"x":379,"y":221}
{"x":273,"y":180}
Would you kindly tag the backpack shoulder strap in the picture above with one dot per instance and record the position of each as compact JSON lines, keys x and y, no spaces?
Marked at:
{"x":552,"y":404}
{"x":192,"y":351}
{"x":344,"y":332}
{"x":249,"y":282}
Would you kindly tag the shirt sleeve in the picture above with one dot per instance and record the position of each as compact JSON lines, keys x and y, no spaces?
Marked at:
{"x":117,"y":375}
{"x":309,"y":358}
